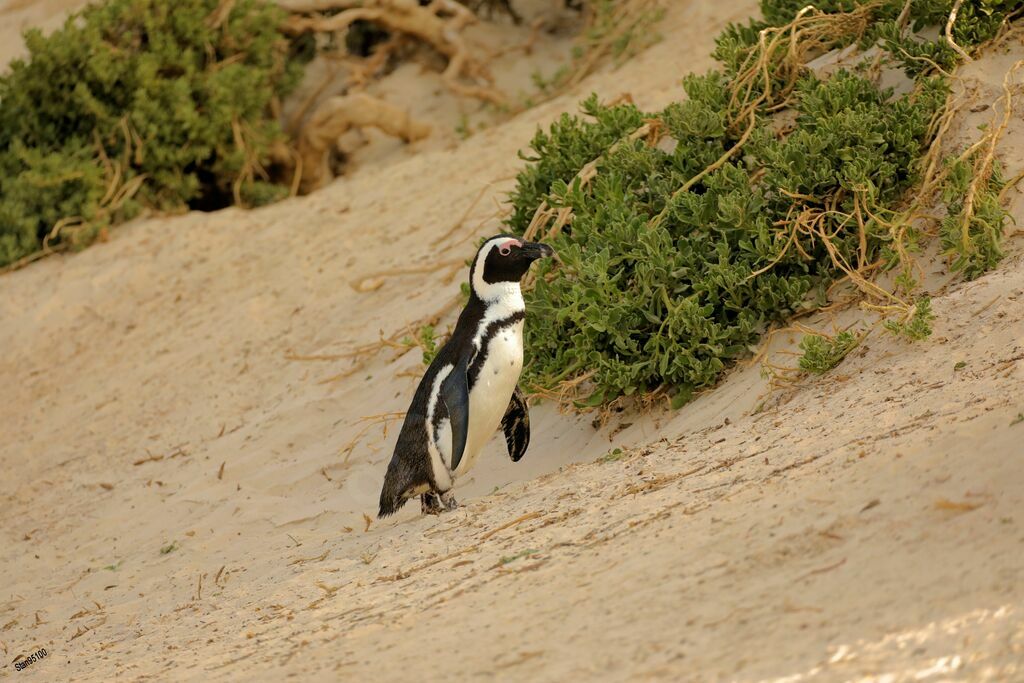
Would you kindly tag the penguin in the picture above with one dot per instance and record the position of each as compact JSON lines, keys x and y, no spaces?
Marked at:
{"x":471,"y":387}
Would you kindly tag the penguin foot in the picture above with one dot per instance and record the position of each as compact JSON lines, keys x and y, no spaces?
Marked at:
{"x":449,"y":502}
{"x":432,"y":503}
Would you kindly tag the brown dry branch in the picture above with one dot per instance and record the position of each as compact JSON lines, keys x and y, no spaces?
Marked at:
{"x":362,"y":71}
{"x":439,"y":24}
{"x":808,"y":220}
{"x":980,"y":154}
{"x":657,"y":482}
{"x":294,"y":124}
{"x":783,"y":51}
{"x":821,"y":570}
{"x":514,"y":522}
{"x":984,"y":165}
{"x":371,"y":421}
{"x":955,"y":506}
{"x":934,"y":171}
{"x":364,"y":353}
{"x":568,"y":391}
{"x":401,"y":575}
{"x":32,"y":258}
{"x":1011,"y":184}
{"x":220,"y":14}
{"x":339,"y":114}
{"x":118,"y":191}
{"x":949,"y":31}
{"x":627,"y":17}
{"x":358,"y":71}
{"x":251,"y":166}
{"x":304,"y":560}
{"x":537,"y":229}
{"x":785,"y":376}
{"x":319,"y":356}
{"x":780,"y":50}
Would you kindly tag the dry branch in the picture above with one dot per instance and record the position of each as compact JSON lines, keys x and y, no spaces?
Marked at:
{"x":337,"y":115}
{"x":949,"y":31}
{"x":438,"y":24}
{"x":984,"y":164}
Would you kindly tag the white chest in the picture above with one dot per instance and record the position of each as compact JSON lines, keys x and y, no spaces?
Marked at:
{"x":490,"y":395}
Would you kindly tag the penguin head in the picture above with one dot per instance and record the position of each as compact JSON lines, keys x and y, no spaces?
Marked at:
{"x":504,"y":259}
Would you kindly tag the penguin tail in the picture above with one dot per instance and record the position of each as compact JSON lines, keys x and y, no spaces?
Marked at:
{"x":392,"y":494}
{"x":389,"y":505}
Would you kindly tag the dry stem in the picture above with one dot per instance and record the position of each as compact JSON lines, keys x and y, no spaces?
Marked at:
{"x":949,"y":31}
{"x":443,"y":33}
{"x":337,"y":115}
{"x":984,"y":164}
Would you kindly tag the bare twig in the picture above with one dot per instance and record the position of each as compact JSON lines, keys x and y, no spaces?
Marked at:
{"x":337,"y":115}
{"x":514,"y":522}
{"x":443,"y":33}
{"x":949,"y":31}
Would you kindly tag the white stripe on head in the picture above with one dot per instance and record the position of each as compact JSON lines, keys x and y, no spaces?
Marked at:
{"x":502,"y":299}
{"x":489,"y":291}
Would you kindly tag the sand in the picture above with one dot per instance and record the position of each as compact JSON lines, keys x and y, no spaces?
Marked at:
{"x":187,"y":462}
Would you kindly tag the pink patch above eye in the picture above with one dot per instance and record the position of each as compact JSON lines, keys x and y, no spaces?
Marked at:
{"x":506,"y":248}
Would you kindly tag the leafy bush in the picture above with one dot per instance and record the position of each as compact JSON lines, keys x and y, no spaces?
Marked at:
{"x":977,"y":22}
{"x":682,"y":250}
{"x":821,"y":353}
{"x":426,"y":339}
{"x":973,"y":242}
{"x":917,"y":326}
{"x":138,"y":103}
{"x":643,"y":304}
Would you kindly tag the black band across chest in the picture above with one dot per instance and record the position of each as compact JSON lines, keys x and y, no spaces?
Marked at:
{"x":493,"y":328}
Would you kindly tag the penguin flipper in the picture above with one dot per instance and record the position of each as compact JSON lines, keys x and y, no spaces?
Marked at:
{"x":516,"y":425}
{"x":455,"y":392}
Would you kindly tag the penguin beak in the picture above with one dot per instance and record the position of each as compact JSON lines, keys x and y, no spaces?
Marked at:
{"x":536,"y":250}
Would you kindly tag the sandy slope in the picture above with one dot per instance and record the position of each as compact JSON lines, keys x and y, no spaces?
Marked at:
{"x":864,"y":526}
{"x":18,"y":15}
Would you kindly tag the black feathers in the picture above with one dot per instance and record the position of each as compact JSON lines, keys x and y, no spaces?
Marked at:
{"x":409,"y":469}
{"x":418,"y":465}
{"x":405,"y":474}
{"x":516,"y":425}
{"x":455,"y":393}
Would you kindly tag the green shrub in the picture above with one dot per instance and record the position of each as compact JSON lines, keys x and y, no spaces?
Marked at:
{"x":138,"y":103}
{"x":917,"y":326}
{"x":676,"y":260}
{"x":973,"y":242}
{"x":821,"y":354}
{"x":644,"y":303}
{"x":977,"y":21}
{"x":428,"y":341}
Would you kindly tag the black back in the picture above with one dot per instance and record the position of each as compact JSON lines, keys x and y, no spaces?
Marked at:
{"x":410,"y":463}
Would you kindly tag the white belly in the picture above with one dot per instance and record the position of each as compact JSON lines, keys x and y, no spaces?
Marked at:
{"x":492,"y":392}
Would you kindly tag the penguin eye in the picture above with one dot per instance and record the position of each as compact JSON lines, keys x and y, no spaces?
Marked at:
{"x":504,"y":251}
